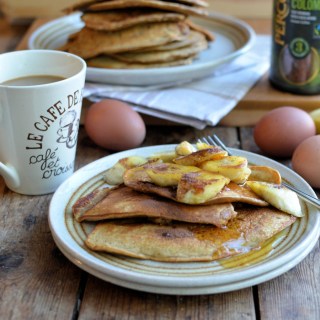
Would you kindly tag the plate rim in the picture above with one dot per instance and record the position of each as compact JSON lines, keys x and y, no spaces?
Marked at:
{"x":209,"y":289}
{"x":95,"y":265}
{"x":241,"y":26}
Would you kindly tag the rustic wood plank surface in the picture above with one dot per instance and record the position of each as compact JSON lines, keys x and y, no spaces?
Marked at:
{"x":38,"y":282}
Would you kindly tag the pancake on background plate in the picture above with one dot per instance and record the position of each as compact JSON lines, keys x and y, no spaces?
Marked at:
{"x":139,"y":34}
{"x":89,"y":43}
{"x":193,"y":7}
{"x":105,"y":61}
{"x":163,"y":56}
{"x":117,"y":20}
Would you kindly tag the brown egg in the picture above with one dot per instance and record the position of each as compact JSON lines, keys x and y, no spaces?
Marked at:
{"x":281,"y":130}
{"x":306,"y":160}
{"x":114,"y":125}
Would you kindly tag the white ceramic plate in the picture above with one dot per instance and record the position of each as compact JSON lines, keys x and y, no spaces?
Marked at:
{"x":233,"y":38}
{"x":277,"y":256}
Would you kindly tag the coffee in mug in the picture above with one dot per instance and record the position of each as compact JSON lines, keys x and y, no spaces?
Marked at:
{"x":32,"y":80}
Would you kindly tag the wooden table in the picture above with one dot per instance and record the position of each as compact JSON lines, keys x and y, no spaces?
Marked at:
{"x":38,"y":282}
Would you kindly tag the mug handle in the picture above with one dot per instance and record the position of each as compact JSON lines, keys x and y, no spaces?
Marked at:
{"x":10,"y":175}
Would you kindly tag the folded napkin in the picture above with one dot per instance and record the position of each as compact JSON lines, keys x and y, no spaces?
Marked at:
{"x":195,"y":103}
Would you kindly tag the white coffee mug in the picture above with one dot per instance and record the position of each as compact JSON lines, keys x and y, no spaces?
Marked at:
{"x":39,"y":122}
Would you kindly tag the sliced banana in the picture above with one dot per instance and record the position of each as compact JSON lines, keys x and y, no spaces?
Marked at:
{"x":278,"y":196}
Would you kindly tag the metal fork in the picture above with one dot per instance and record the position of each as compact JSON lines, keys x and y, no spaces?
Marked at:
{"x":215,"y":141}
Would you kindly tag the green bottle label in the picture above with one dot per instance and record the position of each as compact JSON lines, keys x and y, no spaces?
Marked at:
{"x":295,"y":59}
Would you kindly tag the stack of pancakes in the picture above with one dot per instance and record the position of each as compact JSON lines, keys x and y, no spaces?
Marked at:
{"x":139,"y":33}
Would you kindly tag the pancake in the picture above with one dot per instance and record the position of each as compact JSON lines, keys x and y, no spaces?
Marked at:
{"x":181,"y":242}
{"x":123,"y":202}
{"x":264,"y":173}
{"x":163,"y":56}
{"x":83,"y":5}
{"x":88,"y":43}
{"x":107,"y":62}
{"x":194,"y":26}
{"x":156,"y":4}
{"x":237,"y":193}
{"x":200,"y":3}
{"x":117,"y":20}
{"x":230,"y":193}
{"x":192,"y":38}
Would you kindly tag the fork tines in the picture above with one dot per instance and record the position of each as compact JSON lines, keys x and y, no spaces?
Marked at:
{"x":214,"y":141}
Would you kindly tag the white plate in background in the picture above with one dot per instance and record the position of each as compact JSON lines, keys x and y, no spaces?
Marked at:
{"x":233,"y":38}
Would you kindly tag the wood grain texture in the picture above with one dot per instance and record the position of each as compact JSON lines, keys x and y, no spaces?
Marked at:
{"x":243,"y":8}
{"x":263,"y":98}
{"x":107,"y":301}
{"x":11,"y":35}
{"x":38,"y":282}
{"x":294,"y":295}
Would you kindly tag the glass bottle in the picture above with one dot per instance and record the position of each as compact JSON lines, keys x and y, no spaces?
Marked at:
{"x":295,"y":61}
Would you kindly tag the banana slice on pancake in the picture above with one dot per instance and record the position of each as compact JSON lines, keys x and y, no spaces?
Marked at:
{"x":278,"y":196}
{"x":164,"y":179}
